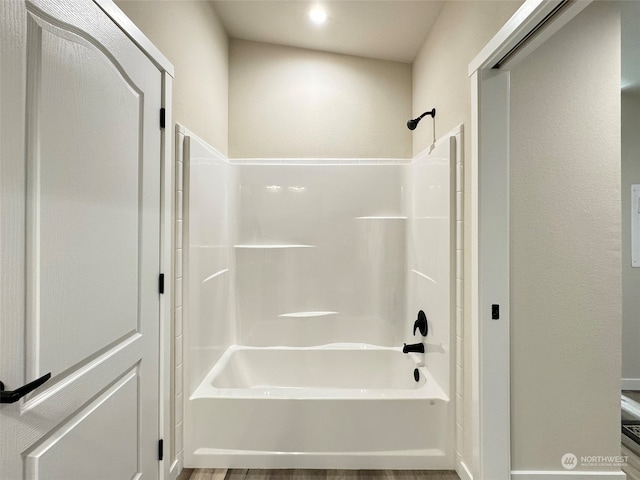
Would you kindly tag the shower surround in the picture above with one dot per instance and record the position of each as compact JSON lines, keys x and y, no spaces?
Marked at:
{"x":302,"y":281}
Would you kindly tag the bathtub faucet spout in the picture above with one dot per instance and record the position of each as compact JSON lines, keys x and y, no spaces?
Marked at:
{"x":415,"y":347}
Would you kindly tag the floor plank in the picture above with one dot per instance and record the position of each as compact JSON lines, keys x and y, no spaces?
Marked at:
{"x":209,"y":474}
{"x":632,"y":469}
{"x":185,"y":474}
{"x":236,"y":474}
{"x":293,"y":474}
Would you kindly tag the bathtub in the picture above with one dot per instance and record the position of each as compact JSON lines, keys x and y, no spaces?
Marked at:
{"x":338,"y":406}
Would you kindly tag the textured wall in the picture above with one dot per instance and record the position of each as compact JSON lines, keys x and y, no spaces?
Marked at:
{"x":440,"y":71}
{"x":190,"y":35}
{"x":565,"y":245}
{"x":630,"y":276}
{"x":441,"y":80}
{"x":288,"y":102}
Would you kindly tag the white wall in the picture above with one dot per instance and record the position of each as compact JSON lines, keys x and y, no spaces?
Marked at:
{"x":441,"y":80}
{"x":205,"y":318}
{"x":288,"y":102}
{"x":191,"y":36}
{"x":302,"y":248}
{"x":565,"y":245}
{"x":210,"y":187}
{"x":630,"y":275}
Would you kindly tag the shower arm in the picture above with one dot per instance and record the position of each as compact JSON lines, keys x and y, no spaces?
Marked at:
{"x":431,"y":112}
{"x":413,"y":123}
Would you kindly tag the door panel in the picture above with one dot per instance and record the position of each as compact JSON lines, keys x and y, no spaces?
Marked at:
{"x":79,"y":244}
{"x":56,"y":457}
{"x":83,"y":186}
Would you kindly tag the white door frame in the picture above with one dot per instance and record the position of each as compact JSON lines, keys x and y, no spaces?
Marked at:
{"x":166,"y":227}
{"x":490,"y":91}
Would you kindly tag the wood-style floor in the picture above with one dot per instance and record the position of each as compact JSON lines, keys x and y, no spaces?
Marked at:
{"x":632,"y":469}
{"x":213,"y":474}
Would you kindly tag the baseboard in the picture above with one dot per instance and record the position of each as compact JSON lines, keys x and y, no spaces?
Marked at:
{"x":565,"y":475}
{"x":631,"y":384}
{"x":463,"y":472}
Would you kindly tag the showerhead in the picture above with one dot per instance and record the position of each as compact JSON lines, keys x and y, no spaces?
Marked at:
{"x":412,"y":124}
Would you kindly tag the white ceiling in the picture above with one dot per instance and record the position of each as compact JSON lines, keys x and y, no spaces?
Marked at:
{"x":385,"y":29}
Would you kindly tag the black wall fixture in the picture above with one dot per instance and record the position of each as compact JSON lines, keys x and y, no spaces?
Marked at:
{"x":421,"y":324}
{"x":412,"y":124}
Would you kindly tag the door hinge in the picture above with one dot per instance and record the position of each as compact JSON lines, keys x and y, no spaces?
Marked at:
{"x":160,"y":449}
{"x":161,"y":283}
{"x":163,"y":114}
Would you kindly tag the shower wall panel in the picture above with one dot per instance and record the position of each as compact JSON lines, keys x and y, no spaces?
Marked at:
{"x":210,"y":186}
{"x":429,"y":186}
{"x":320,"y":255}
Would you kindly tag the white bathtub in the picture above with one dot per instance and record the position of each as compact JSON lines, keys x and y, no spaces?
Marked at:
{"x":338,"y":406}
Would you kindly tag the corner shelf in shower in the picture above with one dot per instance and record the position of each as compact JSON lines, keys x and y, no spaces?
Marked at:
{"x":307,"y":314}
{"x":273,"y":247}
{"x":423,"y":275}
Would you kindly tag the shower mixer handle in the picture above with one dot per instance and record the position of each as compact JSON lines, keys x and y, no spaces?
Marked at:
{"x":421,"y":324}
{"x":413,"y":348}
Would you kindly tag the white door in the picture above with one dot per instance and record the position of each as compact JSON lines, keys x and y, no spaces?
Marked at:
{"x":79,"y":245}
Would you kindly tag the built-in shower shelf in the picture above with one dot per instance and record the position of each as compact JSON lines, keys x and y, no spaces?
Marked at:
{"x":423,"y":275}
{"x":273,"y":247}
{"x":307,"y":314}
{"x":390,"y":217}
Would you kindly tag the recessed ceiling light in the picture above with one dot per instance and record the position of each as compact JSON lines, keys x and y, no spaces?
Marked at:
{"x":318,"y":15}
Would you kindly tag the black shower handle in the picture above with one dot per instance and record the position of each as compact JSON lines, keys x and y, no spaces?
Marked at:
{"x":12,"y":396}
{"x":421,"y":324}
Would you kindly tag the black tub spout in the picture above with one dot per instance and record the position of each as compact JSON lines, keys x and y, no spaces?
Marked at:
{"x":415,"y":347}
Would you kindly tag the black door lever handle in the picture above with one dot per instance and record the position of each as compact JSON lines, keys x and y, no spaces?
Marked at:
{"x":7,"y":396}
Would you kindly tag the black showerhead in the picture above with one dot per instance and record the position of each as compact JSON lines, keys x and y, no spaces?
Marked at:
{"x":412,"y":124}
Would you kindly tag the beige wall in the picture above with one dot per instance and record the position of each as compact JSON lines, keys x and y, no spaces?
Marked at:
{"x":190,"y":35}
{"x":565,"y":245}
{"x":630,"y":275}
{"x":291,"y":102}
{"x":441,"y":80}
{"x":440,"y":71}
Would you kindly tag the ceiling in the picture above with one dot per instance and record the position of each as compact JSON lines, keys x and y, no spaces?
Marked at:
{"x":384,"y":29}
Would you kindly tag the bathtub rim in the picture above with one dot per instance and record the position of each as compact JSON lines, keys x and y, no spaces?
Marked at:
{"x":429,"y":391}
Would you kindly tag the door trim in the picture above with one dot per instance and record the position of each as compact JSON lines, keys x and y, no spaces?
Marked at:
{"x":168,"y":465}
{"x":490,"y":90}
{"x":136,"y":35}
{"x":167,"y":261}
